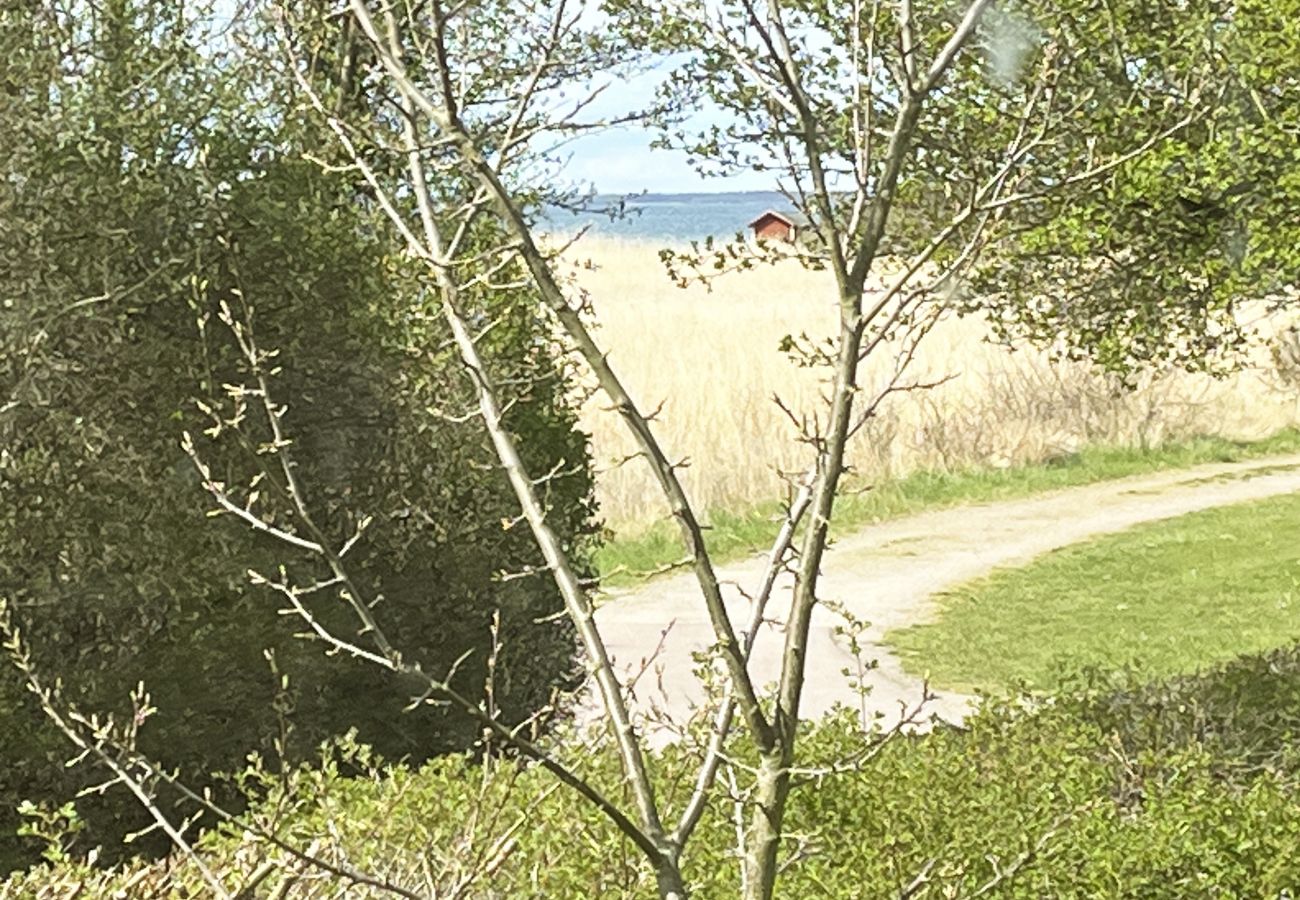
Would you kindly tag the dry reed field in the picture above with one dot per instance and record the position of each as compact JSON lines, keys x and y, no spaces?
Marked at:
{"x":712,"y":358}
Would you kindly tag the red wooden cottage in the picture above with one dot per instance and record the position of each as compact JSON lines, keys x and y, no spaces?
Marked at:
{"x":775,"y":226}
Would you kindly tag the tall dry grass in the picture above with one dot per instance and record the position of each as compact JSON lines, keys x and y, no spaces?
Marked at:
{"x":711,"y":358}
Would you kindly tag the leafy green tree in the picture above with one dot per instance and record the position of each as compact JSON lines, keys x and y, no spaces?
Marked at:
{"x":149,"y":176}
{"x":1162,"y":261}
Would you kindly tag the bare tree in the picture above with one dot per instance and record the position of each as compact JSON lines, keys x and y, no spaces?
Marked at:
{"x":900,"y":134}
{"x":476,"y":97}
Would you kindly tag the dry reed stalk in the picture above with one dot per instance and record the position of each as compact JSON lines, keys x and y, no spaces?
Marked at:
{"x":712,"y":358}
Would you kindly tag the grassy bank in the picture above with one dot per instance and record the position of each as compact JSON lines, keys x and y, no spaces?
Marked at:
{"x":626,"y":558}
{"x":1168,"y":597}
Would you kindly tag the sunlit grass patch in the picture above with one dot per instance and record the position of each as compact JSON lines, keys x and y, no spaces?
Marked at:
{"x":1170,"y":597}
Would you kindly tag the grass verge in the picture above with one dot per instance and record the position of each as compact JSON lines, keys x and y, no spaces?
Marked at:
{"x":626,"y":558}
{"x":1166,"y":597}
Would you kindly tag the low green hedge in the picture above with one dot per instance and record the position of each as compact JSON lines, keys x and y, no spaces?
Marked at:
{"x":1177,"y":788}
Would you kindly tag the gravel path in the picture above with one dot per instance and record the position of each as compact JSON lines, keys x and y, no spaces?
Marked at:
{"x":888,"y":575}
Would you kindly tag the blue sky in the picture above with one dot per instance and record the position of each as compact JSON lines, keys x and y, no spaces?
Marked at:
{"x":620,"y":161}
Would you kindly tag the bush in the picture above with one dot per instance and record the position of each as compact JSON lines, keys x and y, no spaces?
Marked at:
{"x":116,"y":235}
{"x":1151,"y":791}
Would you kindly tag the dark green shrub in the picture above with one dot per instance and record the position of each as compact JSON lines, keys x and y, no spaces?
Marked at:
{"x":116,"y":233}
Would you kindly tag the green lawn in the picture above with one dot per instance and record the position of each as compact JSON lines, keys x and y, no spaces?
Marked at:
{"x":626,"y":557}
{"x":1170,"y":597}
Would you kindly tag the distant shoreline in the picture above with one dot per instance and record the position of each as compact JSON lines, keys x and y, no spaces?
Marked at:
{"x":633,"y":241}
{"x":671,"y":218}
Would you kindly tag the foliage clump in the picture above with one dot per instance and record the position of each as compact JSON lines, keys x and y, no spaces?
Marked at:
{"x":1121,"y":787}
{"x":133,"y":205}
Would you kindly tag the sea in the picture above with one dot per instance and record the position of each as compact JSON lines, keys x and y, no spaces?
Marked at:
{"x":670,"y":218}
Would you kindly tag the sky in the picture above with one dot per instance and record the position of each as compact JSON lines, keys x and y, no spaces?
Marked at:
{"x":620,"y":161}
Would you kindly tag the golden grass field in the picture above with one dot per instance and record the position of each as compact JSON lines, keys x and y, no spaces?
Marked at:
{"x":711,"y":357}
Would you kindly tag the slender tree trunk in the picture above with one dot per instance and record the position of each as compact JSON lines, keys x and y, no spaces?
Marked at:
{"x":671,"y":884}
{"x":764,"y":839}
{"x":772,"y":787}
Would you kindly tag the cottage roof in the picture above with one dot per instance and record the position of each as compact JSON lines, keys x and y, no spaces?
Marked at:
{"x":791,"y":219}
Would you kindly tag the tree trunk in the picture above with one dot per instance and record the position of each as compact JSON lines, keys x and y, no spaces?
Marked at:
{"x":764,"y":838}
{"x":671,"y":884}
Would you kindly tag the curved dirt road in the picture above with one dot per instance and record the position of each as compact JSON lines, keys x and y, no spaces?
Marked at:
{"x":887,"y":575}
